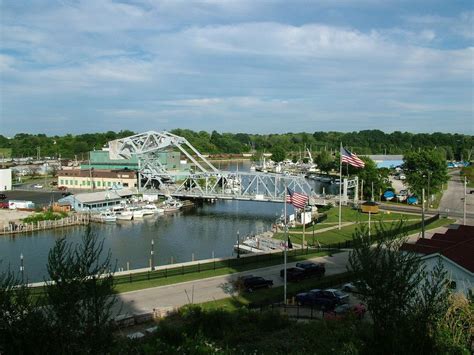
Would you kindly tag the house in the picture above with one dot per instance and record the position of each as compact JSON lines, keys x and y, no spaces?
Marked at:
{"x":96,"y":200}
{"x":455,"y":249}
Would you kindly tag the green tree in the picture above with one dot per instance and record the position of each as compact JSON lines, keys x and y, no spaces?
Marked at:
{"x":278,"y":154}
{"x":406,"y":303}
{"x":325,"y":161}
{"x":80,"y":296}
{"x":425,"y":169}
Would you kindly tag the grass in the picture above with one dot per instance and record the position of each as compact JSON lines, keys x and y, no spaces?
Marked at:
{"x":345,"y":233}
{"x":352,"y":215}
{"x":275,"y":294}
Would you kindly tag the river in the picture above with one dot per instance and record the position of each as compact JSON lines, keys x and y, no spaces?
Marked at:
{"x":199,"y":232}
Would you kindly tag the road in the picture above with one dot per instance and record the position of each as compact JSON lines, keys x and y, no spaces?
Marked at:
{"x":452,"y":201}
{"x":209,"y":289}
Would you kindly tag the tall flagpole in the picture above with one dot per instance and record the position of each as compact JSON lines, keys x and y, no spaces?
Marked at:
{"x":340,"y":186}
{"x":286,"y":247}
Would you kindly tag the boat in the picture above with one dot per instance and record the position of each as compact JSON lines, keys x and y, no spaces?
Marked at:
{"x":107,"y":216}
{"x":325,"y":179}
{"x":137,"y":212}
{"x":336,"y":182}
{"x":124,"y":215}
{"x":388,"y":195}
{"x":172,"y":205}
{"x":151,"y":209}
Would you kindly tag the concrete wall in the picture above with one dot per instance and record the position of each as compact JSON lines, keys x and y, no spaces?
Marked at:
{"x":5,"y":179}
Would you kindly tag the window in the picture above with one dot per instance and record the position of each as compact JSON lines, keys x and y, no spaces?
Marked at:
{"x":125,"y":184}
{"x":88,"y":183}
{"x":109,"y":183}
{"x":98,"y":183}
{"x":61,"y":182}
{"x":75,"y":182}
{"x":452,"y":285}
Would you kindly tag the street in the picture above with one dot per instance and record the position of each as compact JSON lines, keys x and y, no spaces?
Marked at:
{"x":452,"y":202}
{"x":209,"y":289}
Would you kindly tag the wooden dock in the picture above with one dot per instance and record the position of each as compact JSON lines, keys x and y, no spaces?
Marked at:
{"x":73,"y":220}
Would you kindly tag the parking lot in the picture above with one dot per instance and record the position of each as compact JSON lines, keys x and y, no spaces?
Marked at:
{"x":39,"y":198}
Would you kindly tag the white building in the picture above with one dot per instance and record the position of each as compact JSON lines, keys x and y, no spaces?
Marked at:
{"x":5,"y":179}
{"x":455,"y":250}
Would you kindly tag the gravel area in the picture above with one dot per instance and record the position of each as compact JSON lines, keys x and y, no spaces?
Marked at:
{"x":12,"y":215}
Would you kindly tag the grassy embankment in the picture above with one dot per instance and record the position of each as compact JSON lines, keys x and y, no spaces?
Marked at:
{"x":349,"y":215}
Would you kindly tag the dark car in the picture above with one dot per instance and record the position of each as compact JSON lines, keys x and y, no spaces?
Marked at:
{"x":251,"y":283}
{"x":471,"y":192}
{"x":293,"y":274}
{"x":3,"y":197}
{"x":312,"y":269}
{"x":333,"y":294}
{"x":314,"y":298}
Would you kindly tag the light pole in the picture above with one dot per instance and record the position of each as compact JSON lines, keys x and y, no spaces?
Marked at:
{"x":152,"y":254}
{"x":465,"y":196}
{"x":313,"y":234}
{"x":423,"y":213}
{"x":22,"y":268}
{"x":238,"y":244}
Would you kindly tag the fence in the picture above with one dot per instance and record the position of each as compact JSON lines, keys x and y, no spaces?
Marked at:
{"x":243,"y":263}
{"x":75,"y":219}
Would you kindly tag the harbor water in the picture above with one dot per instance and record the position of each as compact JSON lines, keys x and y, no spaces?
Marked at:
{"x":198,"y":232}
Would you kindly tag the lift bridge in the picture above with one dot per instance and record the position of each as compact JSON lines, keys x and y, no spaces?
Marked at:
{"x":205,"y":181}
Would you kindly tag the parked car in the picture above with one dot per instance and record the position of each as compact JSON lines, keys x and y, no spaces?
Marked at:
{"x":62,"y":188}
{"x":4,"y":205}
{"x":251,"y":282}
{"x":312,"y":269}
{"x":3,"y":197}
{"x":293,"y":274}
{"x":314,"y":298}
{"x":337,"y":295}
{"x":471,"y":192}
{"x":38,"y":186}
{"x":343,"y":311}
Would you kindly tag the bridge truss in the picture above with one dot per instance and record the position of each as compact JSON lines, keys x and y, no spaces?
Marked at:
{"x":205,"y":181}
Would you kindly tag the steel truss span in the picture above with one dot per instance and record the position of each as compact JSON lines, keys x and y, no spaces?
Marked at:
{"x":206,"y":181}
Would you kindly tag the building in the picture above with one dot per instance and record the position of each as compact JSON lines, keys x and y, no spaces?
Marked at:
{"x":5,"y":179}
{"x":96,"y":200}
{"x":97,"y":179}
{"x":387,"y":161}
{"x":455,"y":249}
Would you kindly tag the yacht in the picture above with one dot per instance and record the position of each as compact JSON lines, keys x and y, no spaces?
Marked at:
{"x":107,"y":216}
{"x":172,"y":205}
{"x":124,"y":215}
{"x":137,"y":212}
{"x":151,"y":209}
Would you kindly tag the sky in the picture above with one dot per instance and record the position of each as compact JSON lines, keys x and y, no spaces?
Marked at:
{"x":250,"y":66}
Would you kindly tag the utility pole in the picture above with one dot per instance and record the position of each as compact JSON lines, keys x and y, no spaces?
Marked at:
{"x":423,"y":212}
{"x":152,"y":254}
{"x":465,"y":196}
{"x":238,"y":244}
{"x":362,"y":190}
{"x":369,"y":221}
{"x":22,"y":269}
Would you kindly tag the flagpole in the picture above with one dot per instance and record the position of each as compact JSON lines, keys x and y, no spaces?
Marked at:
{"x":340,"y":187}
{"x":304,"y":225}
{"x":286,"y":247}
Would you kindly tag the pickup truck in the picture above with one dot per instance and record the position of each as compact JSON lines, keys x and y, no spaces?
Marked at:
{"x":312,"y":269}
{"x":293,"y":274}
{"x":251,"y":282}
{"x":314,"y":298}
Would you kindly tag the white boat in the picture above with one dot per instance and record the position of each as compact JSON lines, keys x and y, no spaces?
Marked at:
{"x":172,"y":205}
{"x":152,"y":209}
{"x":124,"y":215}
{"x":107,"y":216}
{"x":137,"y":212}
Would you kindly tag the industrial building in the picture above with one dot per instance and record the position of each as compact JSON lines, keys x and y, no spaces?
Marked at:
{"x":5,"y":179}
{"x":96,"y":200}
{"x":97,"y":179}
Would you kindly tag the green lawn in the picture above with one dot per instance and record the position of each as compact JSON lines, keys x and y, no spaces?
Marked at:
{"x":351,"y":215}
{"x":340,"y":236}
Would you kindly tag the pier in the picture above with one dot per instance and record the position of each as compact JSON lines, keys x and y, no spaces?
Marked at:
{"x":73,"y":220}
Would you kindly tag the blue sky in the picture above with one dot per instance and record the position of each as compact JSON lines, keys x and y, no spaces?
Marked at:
{"x":237,"y":66}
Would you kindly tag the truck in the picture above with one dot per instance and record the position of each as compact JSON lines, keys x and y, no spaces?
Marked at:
{"x":20,"y":204}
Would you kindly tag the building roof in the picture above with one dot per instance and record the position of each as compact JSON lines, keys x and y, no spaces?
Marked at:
{"x":99,"y":196}
{"x":98,"y":173}
{"x":456,"y":245}
{"x":382,"y":157}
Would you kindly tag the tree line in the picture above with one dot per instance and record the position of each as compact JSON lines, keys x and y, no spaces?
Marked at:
{"x":452,"y":146}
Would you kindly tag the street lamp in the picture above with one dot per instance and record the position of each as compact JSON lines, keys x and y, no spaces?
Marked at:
{"x":152,"y":254}
{"x":22,"y":268}
{"x":313,"y":234}
{"x":238,"y":244}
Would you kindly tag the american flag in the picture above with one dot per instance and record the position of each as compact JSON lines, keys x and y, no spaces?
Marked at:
{"x":351,"y":158}
{"x":296,"y":199}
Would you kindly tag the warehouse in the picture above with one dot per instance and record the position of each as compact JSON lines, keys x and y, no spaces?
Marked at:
{"x":5,"y":179}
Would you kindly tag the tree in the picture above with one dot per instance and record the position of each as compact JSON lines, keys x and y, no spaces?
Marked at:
{"x":80,"y":296}
{"x":425,"y":169}
{"x":22,"y":324}
{"x":278,"y":154}
{"x":405,"y":302}
{"x":325,"y":161}
{"x":370,"y":173}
